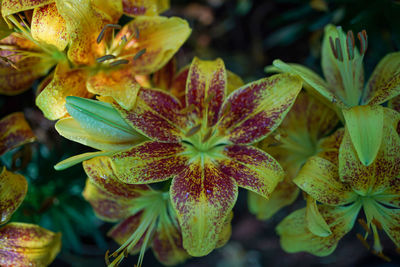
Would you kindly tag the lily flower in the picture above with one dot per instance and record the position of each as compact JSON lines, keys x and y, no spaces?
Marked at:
{"x":302,"y":134}
{"x":342,"y":65}
{"x":206,"y":147}
{"x":145,"y":216}
{"x":343,"y":187}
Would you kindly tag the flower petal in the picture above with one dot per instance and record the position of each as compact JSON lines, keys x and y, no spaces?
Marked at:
{"x":18,"y":75}
{"x":154,"y":39}
{"x":13,"y":188}
{"x":253,"y":111}
{"x":296,"y":237}
{"x":167,"y":245}
{"x":394,"y":103}
{"x":329,"y":146}
{"x":144,"y":7}
{"x":390,"y":221}
{"x":284,"y":194}
{"x":164,"y":77}
{"x":4,"y":29}
{"x":49,"y":27}
{"x":313,"y":83}
{"x":377,"y":176}
{"x":149,"y":162}
{"x":206,"y":88}
{"x":384,"y":82}
{"x":234,"y":82}
{"x":66,"y":82}
{"x":123,"y":230}
{"x":9,"y":7}
{"x":120,"y":84}
{"x":15,"y":132}
{"x":320,"y":179}
{"x":331,"y":70}
{"x":202,"y":197}
{"x":156,"y":115}
{"x":365,"y":124}
{"x":252,"y":169}
{"x":315,"y":222}
{"x":24,"y":244}
{"x":112,"y":10}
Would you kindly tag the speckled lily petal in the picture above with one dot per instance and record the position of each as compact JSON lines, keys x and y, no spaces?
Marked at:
{"x":9,"y":7}
{"x":144,"y":7}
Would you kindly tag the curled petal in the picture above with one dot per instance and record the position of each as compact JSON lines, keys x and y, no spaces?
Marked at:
{"x":202,"y":197}
{"x":15,"y":131}
{"x":296,"y":237}
{"x":384,"y":82}
{"x":379,"y":176}
{"x":25,"y":244}
{"x":256,"y":109}
{"x":144,"y":7}
{"x":154,"y":43}
{"x":149,"y":162}
{"x":320,"y":179}
{"x":365,"y":126}
{"x":9,"y":7}
{"x":49,"y":27}
{"x":252,"y":169}
{"x":65,"y":82}
{"x":13,"y":188}
{"x":156,"y":115}
{"x":315,"y":222}
{"x":206,"y":88}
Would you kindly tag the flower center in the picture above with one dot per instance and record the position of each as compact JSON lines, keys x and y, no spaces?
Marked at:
{"x":349,"y":63}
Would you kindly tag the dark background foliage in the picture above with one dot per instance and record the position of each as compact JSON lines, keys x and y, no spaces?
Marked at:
{"x":248,"y":35}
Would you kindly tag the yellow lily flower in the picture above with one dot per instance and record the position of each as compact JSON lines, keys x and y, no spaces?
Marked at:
{"x":300,"y":136}
{"x":344,"y":186}
{"x":344,"y":86}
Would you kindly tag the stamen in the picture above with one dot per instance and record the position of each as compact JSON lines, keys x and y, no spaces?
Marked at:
{"x":119,"y":62}
{"x":193,"y":130}
{"x":137,"y":32}
{"x":333,"y":47}
{"x":350,"y":45}
{"x":363,"y":241}
{"x":6,"y":60}
{"x":377,"y":223}
{"x":382,"y":256}
{"x":101,"y":35}
{"x":364,"y":225}
{"x":139,"y":54}
{"x":362,"y":36}
{"x":339,"y":50}
{"x":107,"y":257}
{"x":104,"y":58}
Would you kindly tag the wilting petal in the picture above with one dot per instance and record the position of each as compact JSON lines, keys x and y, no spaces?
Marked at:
{"x":384,"y":82}
{"x":24,"y":244}
{"x":206,"y":88}
{"x":379,"y":175}
{"x":202,"y":197}
{"x":312,"y":81}
{"x":144,"y":7}
{"x":84,"y":23}
{"x":66,"y":82}
{"x":159,"y":38}
{"x":156,"y":115}
{"x":15,"y":131}
{"x":49,"y":27}
{"x":331,"y":69}
{"x":149,"y":162}
{"x":9,"y":7}
{"x":120,"y":84}
{"x":320,"y":179}
{"x":365,"y":124}
{"x":17,"y":75}
{"x":167,"y":245}
{"x":252,"y":169}
{"x":284,"y":194}
{"x":256,"y":109}
{"x":315,"y":222}
{"x":13,"y":188}
{"x":296,"y":237}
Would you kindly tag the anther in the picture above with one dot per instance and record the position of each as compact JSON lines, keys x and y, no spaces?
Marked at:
{"x":119,"y":62}
{"x":104,"y":58}
{"x":139,"y":54}
{"x":339,"y":50}
{"x":193,"y":130}
{"x":101,"y":35}
{"x":107,"y":257}
{"x":333,"y":47}
{"x":377,"y":223}
{"x":362,"y":36}
{"x":137,"y":32}
{"x":382,"y":256}
{"x":350,"y":45}
{"x":364,"y":225}
{"x":363,"y":241}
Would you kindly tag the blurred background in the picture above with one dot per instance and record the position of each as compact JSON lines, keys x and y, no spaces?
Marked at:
{"x":248,"y":35}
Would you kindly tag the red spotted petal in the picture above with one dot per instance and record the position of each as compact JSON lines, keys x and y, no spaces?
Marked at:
{"x":9,"y":7}
{"x":252,"y":169}
{"x":202,"y":197}
{"x":149,"y":162}
{"x":206,"y":88}
{"x":144,"y":7}
{"x":256,"y":109}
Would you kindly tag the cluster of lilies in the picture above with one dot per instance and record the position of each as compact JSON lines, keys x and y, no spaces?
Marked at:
{"x":173,"y":146}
